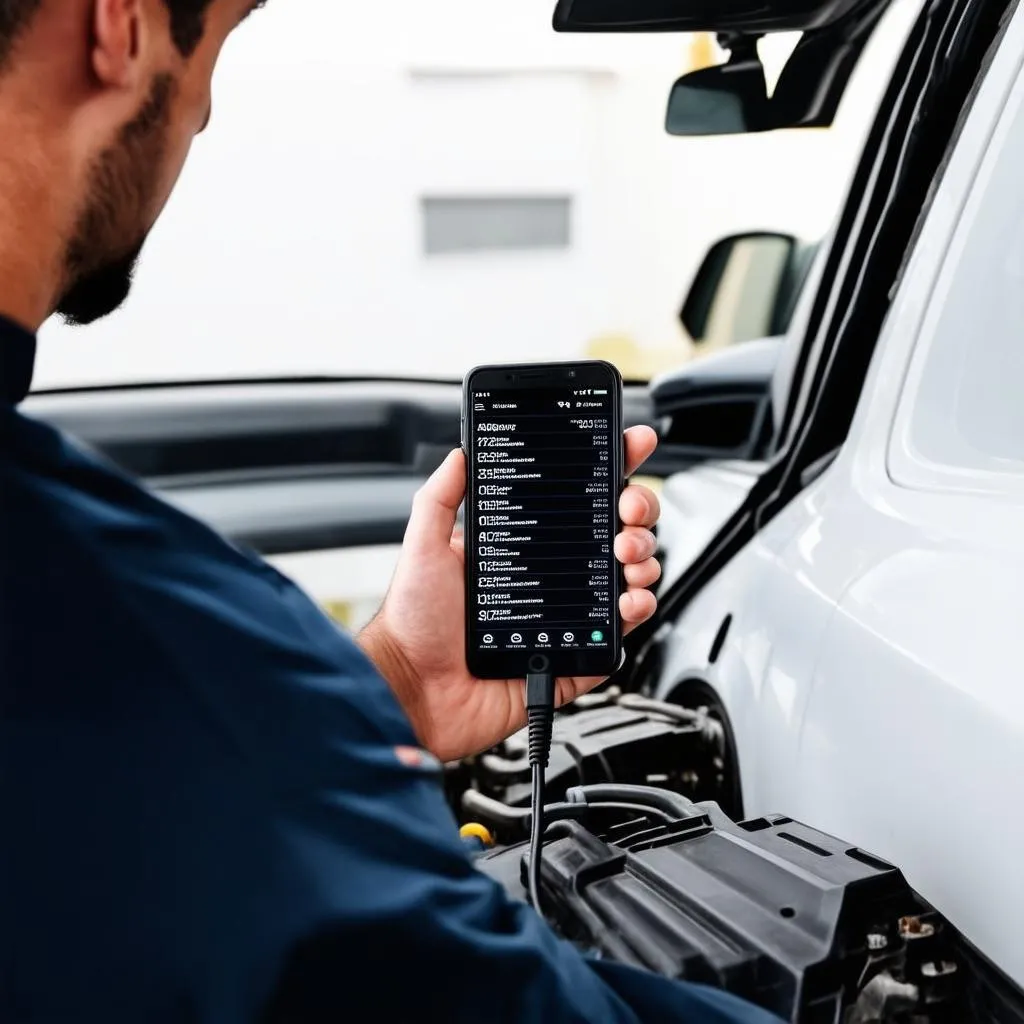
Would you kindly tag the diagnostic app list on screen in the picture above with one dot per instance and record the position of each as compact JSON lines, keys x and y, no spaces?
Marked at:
{"x":543,"y":519}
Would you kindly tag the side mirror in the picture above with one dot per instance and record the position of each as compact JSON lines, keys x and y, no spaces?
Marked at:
{"x":743,"y":289}
{"x":729,"y":99}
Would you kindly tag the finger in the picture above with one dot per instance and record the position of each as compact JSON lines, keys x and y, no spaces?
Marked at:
{"x":640,"y":445}
{"x":643,"y":574}
{"x":458,"y":546}
{"x":635,"y":544}
{"x":639,"y":506}
{"x":436,"y":505}
{"x":636,"y":606}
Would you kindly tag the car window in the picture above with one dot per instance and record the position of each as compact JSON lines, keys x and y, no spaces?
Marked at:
{"x":962,"y":421}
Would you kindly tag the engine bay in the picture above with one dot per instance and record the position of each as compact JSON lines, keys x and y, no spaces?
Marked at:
{"x":643,"y":866}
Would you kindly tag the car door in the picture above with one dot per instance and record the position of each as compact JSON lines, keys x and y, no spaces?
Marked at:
{"x":913,"y":740}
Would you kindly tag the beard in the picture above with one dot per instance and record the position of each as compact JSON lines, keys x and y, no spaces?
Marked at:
{"x":101,"y":257}
{"x":97,"y":293}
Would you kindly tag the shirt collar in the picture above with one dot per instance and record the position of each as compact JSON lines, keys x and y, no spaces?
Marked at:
{"x":17,"y":361}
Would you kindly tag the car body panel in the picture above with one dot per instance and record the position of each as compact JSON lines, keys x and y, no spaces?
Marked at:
{"x":775,"y":602}
{"x":694,"y":504}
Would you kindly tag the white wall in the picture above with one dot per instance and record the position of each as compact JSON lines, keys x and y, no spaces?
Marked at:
{"x":293,"y":244}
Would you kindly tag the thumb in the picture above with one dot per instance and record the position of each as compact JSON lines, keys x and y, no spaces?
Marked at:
{"x":436,"y":505}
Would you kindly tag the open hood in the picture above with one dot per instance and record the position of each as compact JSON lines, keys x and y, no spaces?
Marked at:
{"x":733,"y":97}
{"x":746,"y":16}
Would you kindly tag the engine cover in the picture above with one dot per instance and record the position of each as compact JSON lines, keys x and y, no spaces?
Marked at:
{"x":787,"y":917}
{"x":604,"y":738}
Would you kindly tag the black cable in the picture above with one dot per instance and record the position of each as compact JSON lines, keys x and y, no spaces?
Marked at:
{"x":540,"y":714}
{"x":536,"y":836}
{"x":677,"y":806}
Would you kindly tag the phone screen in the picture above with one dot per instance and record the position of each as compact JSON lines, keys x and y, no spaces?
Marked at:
{"x":545,"y":476}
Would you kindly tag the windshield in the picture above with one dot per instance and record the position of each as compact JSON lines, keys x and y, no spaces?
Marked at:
{"x":410,"y":189}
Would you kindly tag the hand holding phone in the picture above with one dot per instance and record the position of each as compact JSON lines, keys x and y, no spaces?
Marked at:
{"x":417,"y":640}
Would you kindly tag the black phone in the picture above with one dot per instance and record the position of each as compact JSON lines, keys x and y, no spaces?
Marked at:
{"x":545,"y":457}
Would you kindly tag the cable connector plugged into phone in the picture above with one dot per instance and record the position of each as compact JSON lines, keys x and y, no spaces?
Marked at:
{"x":540,"y":716}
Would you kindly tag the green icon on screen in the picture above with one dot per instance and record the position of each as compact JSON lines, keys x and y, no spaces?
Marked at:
{"x":597,"y":636}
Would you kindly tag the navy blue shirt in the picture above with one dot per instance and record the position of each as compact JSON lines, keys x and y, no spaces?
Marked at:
{"x":203,"y":817}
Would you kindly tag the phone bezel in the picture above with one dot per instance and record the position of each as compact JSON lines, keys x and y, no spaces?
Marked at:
{"x":526,"y":376}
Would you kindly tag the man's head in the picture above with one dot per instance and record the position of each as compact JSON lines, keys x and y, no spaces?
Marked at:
{"x":99,"y":103}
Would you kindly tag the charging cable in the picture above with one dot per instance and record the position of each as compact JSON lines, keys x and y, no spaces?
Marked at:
{"x":540,"y":715}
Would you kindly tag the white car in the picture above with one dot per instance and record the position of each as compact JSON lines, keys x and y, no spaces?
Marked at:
{"x":855,"y":622}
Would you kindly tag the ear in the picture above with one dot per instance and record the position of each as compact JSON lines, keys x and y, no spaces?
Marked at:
{"x":117,"y":42}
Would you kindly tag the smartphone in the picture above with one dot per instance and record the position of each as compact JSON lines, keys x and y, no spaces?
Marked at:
{"x":545,"y":457}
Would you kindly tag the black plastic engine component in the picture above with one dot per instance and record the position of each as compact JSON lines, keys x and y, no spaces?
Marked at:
{"x":607,"y":738}
{"x":803,"y":924}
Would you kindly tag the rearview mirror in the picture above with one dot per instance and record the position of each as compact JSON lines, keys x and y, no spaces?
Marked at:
{"x":741,"y":289}
{"x":730,"y":99}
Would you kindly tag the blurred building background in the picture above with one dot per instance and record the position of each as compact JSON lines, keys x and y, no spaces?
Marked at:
{"x":411,"y":188}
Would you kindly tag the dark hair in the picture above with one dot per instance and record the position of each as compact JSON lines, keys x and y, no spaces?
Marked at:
{"x":187,"y":23}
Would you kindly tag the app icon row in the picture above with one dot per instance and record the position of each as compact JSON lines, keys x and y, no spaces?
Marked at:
{"x":568,"y":637}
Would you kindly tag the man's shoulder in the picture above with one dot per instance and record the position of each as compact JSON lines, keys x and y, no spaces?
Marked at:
{"x":64,"y":500}
{"x":71,"y":520}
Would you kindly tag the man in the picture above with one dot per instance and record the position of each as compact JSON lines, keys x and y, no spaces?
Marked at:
{"x":213,"y":809}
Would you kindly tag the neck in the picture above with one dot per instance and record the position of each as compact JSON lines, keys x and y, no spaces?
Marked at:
{"x":33,"y":225}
